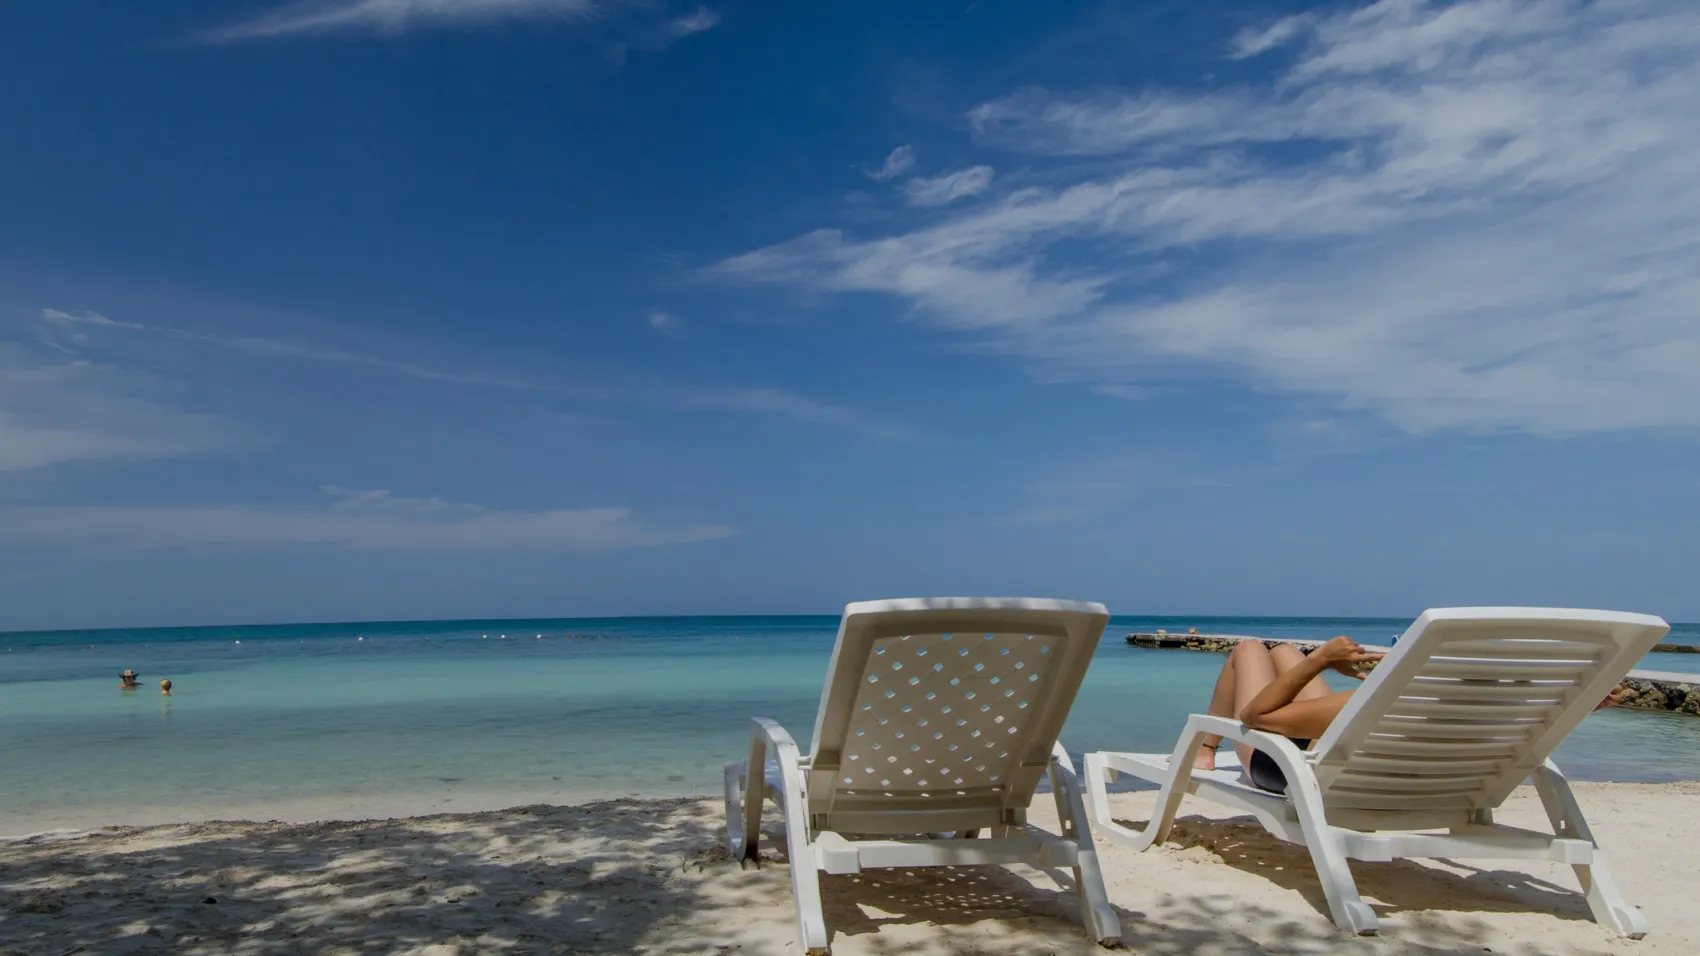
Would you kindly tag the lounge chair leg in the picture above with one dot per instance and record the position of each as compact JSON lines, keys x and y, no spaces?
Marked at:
{"x":1605,"y":899}
{"x":740,"y":846}
{"x":755,"y":791}
{"x":1095,"y":909}
{"x":1327,"y":849}
{"x":799,"y":841}
{"x":1097,"y":774}
{"x":746,"y":789}
{"x":1174,"y":787}
{"x":805,"y":886}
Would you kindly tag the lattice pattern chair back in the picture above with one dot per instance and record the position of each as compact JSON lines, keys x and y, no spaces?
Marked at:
{"x":1467,"y":705}
{"x":945,"y":708}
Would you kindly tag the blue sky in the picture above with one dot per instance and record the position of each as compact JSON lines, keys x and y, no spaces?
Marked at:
{"x":355,"y":309}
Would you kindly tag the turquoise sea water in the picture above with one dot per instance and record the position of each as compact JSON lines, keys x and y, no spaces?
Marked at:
{"x":649,"y":706}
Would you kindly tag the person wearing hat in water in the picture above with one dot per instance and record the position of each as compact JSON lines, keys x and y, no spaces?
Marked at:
{"x":127,"y":680}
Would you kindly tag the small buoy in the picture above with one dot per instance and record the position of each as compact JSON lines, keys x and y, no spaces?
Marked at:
{"x":360,"y":638}
{"x":238,"y":642}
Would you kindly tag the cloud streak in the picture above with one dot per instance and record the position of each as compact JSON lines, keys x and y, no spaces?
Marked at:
{"x":77,"y":335}
{"x":897,"y":162}
{"x":350,"y":520}
{"x":799,"y":408}
{"x":663,"y":321}
{"x":700,"y":20}
{"x":948,"y":188}
{"x":312,"y":17}
{"x":261,"y":347}
{"x":55,"y":411}
{"x":1471,"y":216}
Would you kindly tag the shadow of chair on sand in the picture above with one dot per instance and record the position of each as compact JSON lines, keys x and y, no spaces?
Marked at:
{"x":1392,"y":887}
{"x":860,"y":904}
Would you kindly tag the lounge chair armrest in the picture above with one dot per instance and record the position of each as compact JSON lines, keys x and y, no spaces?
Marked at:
{"x":1227,"y":728}
{"x":768,"y":729}
{"x":747,"y":786}
{"x":769,"y":740}
{"x":1177,"y":779}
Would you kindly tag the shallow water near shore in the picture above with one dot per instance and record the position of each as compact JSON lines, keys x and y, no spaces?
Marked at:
{"x":460,"y":713}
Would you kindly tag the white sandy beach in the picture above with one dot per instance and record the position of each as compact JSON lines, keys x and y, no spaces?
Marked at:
{"x":648,"y":876}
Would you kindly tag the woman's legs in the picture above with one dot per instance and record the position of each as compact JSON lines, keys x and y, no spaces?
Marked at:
{"x":1221,"y":705}
{"x":1251,"y":667}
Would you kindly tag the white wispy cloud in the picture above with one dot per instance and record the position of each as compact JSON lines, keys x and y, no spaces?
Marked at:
{"x":1255,"y":41}
{"x":55,"y":410}
{"x":800,"y":408}
{"x":1038,"y":121}
{"x":662,"y":321}
{"x":261,"y":347}
{"x":391,"y":16}
{"x":1481,"y":215}
{"x":75,"y":334}
{"x":1088,"y":488}
{"x":350,"y":520}
{"x":700,"y":20}
{"x":948,"y":188}
{"x":939,"y":269}
{"x":897,"y":162}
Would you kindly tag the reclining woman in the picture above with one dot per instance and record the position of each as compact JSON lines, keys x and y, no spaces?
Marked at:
{"x":1281,"y":691}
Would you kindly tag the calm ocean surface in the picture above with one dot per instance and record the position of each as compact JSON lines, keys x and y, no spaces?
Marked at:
{"x":649,"y":706}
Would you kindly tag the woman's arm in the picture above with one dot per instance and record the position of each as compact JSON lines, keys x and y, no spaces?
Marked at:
{"x":1274,"y":708}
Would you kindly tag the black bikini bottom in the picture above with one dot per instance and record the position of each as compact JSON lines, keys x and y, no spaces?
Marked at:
{"x":1265,"y":773}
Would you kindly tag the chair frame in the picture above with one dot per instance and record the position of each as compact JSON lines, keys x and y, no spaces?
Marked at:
{"x":815,"y":852}
{"x":1299,"y":818}
{"x":815,"y":831}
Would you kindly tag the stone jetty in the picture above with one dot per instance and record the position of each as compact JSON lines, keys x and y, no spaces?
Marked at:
{"x":1644,"y":689}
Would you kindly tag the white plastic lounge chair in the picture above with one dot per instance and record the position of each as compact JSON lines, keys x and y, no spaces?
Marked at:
{"x":1469,"y":704}
{"x":939,"y":715}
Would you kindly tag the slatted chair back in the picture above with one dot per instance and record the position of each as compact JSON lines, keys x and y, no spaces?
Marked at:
{"x":1466,"y":706}
{"x":940,"y":713}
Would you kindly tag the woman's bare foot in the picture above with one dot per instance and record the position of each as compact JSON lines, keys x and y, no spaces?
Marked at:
{"x":1205,"y":760}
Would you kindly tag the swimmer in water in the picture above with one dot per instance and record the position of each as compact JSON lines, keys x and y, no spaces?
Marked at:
{"x":127,"y":680}
{"x":165,"y":687}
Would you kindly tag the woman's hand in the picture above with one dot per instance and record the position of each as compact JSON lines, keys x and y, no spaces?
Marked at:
{"x":1346,"y":656}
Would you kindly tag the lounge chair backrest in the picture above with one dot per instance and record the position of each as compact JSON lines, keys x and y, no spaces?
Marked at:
{"x":1468,"y":703}
{"x":940,"y":713}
